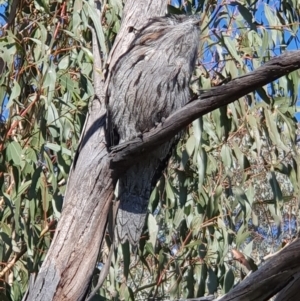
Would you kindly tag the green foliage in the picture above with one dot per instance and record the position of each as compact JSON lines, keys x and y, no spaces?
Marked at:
{"x":45,"y":87}
{"x":234,"y":171}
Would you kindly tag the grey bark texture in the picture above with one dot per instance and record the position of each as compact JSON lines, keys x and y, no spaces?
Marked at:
{"x":148,"y":83}
{"x":69,"y":265}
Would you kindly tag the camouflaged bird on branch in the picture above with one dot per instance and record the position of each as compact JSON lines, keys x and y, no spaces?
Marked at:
{"x":147,"y":84}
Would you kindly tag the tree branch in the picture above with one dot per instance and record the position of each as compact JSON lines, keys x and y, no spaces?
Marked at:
{"x":124,"y":154}
{"x":279,"y":275}
{"x":271,"y":278}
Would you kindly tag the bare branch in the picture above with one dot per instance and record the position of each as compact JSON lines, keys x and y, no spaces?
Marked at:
{"x":124,"y":154}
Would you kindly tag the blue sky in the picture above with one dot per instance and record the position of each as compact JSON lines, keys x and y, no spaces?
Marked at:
{"x":291,"y":39}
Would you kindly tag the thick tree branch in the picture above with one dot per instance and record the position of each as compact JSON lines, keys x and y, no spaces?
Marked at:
{"x":124,"y":154}
{"x":279,"y":275}
{"x":271,"y":278}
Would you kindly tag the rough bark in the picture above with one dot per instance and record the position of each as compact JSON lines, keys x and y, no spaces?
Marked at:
{"x":291,"y":291}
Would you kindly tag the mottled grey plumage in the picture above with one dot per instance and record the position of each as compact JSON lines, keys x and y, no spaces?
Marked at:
{"x":148,"y":83}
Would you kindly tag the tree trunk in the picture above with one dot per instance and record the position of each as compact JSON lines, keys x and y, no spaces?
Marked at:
{"x":69,"y":264}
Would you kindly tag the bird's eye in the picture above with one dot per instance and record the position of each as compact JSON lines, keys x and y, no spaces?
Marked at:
{"x":132,"y":29}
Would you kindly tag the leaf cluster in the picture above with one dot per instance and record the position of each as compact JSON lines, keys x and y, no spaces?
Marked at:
{"x":45,"y":87}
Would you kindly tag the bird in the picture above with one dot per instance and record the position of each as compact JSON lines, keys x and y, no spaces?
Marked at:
{"x":148,"y":82}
